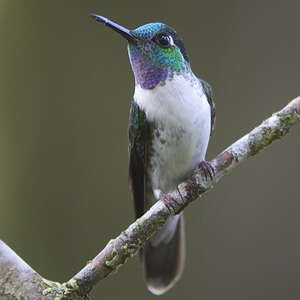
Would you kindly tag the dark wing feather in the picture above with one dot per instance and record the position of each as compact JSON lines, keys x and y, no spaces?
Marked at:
{"x":138,"y":136}
{"x":209,"y":94}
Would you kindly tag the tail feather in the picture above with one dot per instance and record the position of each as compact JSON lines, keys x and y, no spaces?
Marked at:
{"x":163,"y":256}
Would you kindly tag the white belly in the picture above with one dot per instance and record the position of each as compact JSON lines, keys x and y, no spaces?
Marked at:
{"x":181,"y":115}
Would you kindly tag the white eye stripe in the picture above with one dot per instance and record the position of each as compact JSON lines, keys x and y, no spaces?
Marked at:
{"x":171,"y":40}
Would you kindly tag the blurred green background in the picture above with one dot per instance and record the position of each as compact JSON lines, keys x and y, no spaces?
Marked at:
{"x":65,"y":92}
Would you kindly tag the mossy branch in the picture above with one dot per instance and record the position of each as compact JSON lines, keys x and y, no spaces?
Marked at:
{"x":19,"y":281}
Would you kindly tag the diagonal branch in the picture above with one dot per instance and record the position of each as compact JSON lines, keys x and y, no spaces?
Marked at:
{"x":129,"y":241}
{"x":127,"y":244}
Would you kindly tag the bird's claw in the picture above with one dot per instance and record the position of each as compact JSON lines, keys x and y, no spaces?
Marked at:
{"x":170,"y":202}
{"x":207,"y":169}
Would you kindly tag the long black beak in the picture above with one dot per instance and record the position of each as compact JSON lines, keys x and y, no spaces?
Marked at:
{"x":116,"y":27}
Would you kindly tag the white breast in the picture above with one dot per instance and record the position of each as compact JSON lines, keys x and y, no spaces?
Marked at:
{"x":182,"y":116}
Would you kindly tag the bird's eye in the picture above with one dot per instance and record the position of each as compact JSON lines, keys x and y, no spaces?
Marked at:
{"x":164,"y":40}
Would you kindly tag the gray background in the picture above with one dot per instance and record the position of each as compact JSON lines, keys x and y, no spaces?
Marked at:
{"x":65,"y":91}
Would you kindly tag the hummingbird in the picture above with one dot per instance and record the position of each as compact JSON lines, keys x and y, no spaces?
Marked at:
{"x":172,"y":116}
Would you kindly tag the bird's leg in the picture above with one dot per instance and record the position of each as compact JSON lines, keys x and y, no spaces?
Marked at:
{"x":207,"y":169}
{"x":179,"y":195}
{"x":171,"y":200}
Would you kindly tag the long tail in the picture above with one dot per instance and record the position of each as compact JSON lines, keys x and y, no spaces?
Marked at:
{"x":163,"y":256}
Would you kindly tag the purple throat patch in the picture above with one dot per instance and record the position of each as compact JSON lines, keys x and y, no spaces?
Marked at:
{"x":147,"y":74}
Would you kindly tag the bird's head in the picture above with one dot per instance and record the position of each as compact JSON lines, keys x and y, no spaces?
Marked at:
{"x":155,"y":50}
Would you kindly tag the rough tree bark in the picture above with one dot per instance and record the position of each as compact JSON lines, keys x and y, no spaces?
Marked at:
{"x":20,"y":281}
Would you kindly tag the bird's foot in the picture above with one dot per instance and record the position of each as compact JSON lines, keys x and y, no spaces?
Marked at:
{"x":172,"y":201}
{"x":207,"y":169}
